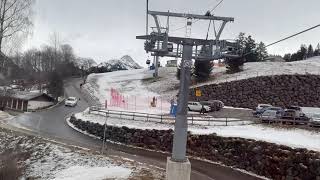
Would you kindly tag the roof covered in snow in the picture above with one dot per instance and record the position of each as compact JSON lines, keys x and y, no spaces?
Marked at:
{"x":24,"y":95}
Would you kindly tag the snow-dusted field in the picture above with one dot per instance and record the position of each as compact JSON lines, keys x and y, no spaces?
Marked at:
{"x":46,"y":160}
{"x":254,"y":69}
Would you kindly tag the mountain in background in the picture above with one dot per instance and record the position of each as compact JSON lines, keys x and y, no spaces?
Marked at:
{"x":124,"y":63}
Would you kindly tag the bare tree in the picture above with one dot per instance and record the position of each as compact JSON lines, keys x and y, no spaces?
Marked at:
{"x":67,"y":53}
{"x":15,"y":18}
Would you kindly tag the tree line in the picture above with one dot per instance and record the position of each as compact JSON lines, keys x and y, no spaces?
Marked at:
{"x":248,"y":50}
{"x":303,"y":53}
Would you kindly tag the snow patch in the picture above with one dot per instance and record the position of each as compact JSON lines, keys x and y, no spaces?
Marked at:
{"x":93,"y":173}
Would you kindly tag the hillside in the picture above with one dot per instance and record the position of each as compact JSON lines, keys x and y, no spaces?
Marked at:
{"x":254,"y":69}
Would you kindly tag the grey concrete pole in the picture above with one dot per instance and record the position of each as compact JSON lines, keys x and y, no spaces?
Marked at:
{"x":181,"y":124}
{"x":156,"y":70}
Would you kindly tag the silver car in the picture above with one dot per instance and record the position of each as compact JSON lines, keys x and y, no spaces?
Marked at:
{"x":315,"y":120}
{"x":269,"y":116}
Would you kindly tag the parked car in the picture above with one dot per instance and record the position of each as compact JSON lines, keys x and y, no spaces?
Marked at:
{"x":71,"y":101}
{"x":270,"y":115}
{"x":262,"y":106}
{"x":315,"y":120}
{"x":197,"y":106}
{"x":259,"y":112}
{"x":297,"y":108}
{"x":215,"y":105}
{"x":296,"y":114}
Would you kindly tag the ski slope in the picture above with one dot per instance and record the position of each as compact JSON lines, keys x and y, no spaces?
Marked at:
{"x":131,"y":94}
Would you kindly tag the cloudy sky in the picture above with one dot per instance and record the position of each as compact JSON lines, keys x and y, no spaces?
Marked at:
{"x":106,"y":29}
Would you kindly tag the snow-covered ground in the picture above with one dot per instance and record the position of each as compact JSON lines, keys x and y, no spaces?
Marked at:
{"x":5,"y":116}
{"x":254,"y":69}
{"x":297,"y":138}
{"x":138,"y":88}
{"x":139,"y":84}
{"x":47,"y":160}
{"x":152,"y":123}
{"x":123,"y":90}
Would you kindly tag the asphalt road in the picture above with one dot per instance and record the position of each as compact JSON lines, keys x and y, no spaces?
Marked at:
{"x":51,"y":124}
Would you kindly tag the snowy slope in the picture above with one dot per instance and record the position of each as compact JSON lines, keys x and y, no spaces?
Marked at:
{"x":136,"y":97}
{"x":124,"y":63}
{"x":254,"y":69}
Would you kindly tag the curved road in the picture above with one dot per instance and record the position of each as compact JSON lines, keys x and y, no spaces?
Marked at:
{"x":51,"y":124}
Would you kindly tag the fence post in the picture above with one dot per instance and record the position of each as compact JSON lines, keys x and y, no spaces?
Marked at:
{"x":192,"y":119}
{"x":226,"y":121}
{"x":133,"y":116}
{"x":104,"y":135}
{"x":135,"y":103}
{"x":161,"y":117}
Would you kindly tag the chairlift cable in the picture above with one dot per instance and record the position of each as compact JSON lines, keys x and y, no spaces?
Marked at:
{"x":286,"y":38}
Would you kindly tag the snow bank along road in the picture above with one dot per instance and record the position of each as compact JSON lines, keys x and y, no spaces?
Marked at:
{"x":51,"y":124}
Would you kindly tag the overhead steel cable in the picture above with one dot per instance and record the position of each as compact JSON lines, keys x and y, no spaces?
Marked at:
{"x":286,"y":38}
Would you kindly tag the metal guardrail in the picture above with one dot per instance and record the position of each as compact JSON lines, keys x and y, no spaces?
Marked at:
{"x":193,"y":119}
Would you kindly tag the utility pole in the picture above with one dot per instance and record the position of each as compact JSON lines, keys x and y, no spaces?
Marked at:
{"x":178,"y":166}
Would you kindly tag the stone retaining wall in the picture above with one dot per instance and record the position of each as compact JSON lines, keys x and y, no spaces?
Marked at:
{"x":262,"y":158}
{"x":280,"y":90}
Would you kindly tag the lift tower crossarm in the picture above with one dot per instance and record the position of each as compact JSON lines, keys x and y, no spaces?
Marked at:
{"x":192,"y":16}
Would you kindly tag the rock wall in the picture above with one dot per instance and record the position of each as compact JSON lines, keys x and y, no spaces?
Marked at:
{"x":262,"y":158}
{"x":281,"y":90}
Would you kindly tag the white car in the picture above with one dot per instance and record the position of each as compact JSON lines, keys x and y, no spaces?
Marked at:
{"x":71,"y":101}
{"x":197,"y":106}
{"x":262,"y":106}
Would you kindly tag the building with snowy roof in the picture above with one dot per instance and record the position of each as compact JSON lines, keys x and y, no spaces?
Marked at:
{"x":24,"y":101}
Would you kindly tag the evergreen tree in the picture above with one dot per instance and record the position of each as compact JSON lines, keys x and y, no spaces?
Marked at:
{"x":261,"y":51}
{"x":294,"y":57}
{"x":317,"y":51}
{"x":302,"y":53}
{"x":250,"y":50}
{"x":234,"y":65}
{"x":287,"y":57}
{"x":241,"y":40}
{"x":310,"y":52}
{"x":202,"y":70}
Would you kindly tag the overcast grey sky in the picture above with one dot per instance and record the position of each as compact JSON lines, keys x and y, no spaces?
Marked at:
{"x":105,"y":29}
